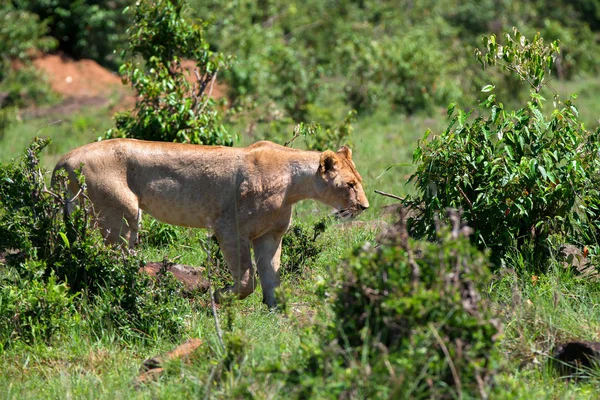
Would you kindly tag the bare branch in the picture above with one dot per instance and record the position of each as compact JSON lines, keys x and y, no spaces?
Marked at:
{"x":465,"y":196}
{"x":296,"y":134}
{"x":212,"y":83}
{"x":393,"y":196}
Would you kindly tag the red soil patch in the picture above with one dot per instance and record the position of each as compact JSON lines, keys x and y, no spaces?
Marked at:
{"x":86,"y":83}
{"x":83,"y":78}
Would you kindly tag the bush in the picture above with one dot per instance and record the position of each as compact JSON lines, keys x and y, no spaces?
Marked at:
{"x":409,"y":321}
{"x":53,"y":250}
{"x":168,"y":107}
{"x":408,"y":70}
{"x":520,"y":176}
{"x":21,"y":35}
{"x":299,"y":246}
{"x":34,"y":310}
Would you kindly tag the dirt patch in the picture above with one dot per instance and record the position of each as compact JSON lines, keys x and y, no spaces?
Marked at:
{"x":82,"y":78}
{"x":85,"y":83}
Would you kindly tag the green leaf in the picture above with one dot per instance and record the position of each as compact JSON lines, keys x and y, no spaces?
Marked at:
{"x":488,"y":88}
{"x":543,"y":171}
{"x":65,"y":239}
{"x":451,"y":108}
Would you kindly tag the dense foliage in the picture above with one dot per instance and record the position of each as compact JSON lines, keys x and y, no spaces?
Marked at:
{"x":301,"y":57}
{"x":83,"y":29}
{"x":520,"y":175}
{"x":55,"y":262}
{"x":21,"y":35}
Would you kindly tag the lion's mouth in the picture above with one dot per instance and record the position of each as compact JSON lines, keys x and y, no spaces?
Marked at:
{"x":348,"y":213}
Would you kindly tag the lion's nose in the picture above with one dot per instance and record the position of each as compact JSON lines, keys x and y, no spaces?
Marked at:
{"x":363,"y":207}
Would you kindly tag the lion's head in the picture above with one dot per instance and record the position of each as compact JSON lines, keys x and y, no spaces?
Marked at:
{"x":340,"y":184}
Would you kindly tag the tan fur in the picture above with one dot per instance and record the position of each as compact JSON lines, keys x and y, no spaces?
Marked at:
{"x":244,"y":194}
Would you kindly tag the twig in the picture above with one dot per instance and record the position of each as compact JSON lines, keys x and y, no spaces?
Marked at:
{"x":296,"y":134}
{"x":450,"y":363}
{"x":58,"y":121}
{"x":76,"y":196}
{"x":465,"y":196}
{"x":212,"y":83}
{"x":45,"y":190}
{"x":212,"y":296}
{"x":393,"y":196}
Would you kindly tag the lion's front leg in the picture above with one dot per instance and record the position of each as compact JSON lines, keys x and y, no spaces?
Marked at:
{"x":267,"y":253}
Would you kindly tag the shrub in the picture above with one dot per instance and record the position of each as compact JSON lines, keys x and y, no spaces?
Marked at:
{"x":168,"y":107}
{"x":34,"y":310}
{"x":407,"y":70}
{"x":520,"y":176}
{"x":21,"y":34}
{"x":53,"y":250}
{"x":299,"y":245}
{"x":409,"y":321}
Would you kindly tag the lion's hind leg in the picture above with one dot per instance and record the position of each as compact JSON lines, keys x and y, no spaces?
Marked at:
{"x":118,"y":217}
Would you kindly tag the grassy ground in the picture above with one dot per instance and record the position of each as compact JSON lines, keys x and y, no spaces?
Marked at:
{"x":537,"y":312}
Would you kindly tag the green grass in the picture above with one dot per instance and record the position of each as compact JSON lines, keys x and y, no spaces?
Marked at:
{"x":66,"y":132}
{"x":89,"y":364}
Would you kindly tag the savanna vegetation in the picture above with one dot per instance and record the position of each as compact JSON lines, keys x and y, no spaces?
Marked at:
{"x":478,"y":119}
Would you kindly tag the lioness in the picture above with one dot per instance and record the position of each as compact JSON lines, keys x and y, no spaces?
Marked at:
{"x":244,"y":194}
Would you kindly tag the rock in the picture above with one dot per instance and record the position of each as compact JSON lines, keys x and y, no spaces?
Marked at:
{"x":191,"y":277}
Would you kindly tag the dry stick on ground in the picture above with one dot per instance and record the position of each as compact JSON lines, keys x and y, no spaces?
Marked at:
{"x":393,"y":196}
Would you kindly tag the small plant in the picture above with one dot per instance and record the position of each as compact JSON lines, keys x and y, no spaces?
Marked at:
{"x":168,"y":107}
{"x":34,"y":310}
{"x":300,"y":246}
{"x":158,"y":234}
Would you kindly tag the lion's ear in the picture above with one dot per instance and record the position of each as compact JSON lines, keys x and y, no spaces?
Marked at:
{"x":328,"y":161}
{"x":346,"y":152}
